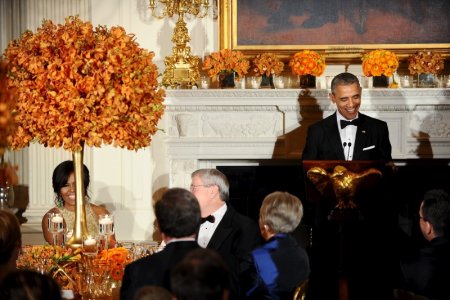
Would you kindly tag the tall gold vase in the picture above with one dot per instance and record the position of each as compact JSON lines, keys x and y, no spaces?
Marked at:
{"x":80,"y":227}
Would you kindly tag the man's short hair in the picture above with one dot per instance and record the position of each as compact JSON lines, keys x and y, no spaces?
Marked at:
{"x":178,"y":213}
{"x":201,"y":275}
{"x":10,"y":236}
{"x":281,"y":211}
{"x":343,"y":79}
{"x":436,"y":210}
{"x":214,"y":177}
{"x":152,"y":292}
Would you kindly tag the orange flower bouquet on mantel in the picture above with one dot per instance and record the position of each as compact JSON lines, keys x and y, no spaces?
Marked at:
{"x":76,"y":84}
{"x":307,"y":62}
{"x":225,"y":61}
{"x":425,"y":62}
{"x":267,"y":64}
{"x":379,"y":62}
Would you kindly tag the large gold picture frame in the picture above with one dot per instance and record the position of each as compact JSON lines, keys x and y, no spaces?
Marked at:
{"x":249,"y":25}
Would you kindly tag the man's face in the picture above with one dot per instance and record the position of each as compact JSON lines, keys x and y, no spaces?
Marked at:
{"x":347,"y":99}
{"x":201,"y":191}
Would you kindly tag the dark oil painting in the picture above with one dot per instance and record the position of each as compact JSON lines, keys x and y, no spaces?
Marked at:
{"x":337,"y":22}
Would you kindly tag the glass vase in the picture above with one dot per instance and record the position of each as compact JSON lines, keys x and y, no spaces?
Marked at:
{"x":426,"y":80}
{"x":307,"y":81}
{"x":266,"y":82}
{"x":226,"y":80}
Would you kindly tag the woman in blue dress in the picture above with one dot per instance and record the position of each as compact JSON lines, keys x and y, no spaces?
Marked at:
{"x":280,"y":265}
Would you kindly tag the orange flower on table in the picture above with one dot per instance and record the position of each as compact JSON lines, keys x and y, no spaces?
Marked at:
{"x":117,"y":259}
{"x":267,"y":64}
{"x":307,"y":62}
{"x":425,"y":62}
{"x":379,"y":62}
{"x":226,"y":60}
{"x":76,"y":84}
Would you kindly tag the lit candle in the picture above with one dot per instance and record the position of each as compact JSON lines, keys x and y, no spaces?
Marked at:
{"x":105,"y":221}
{"x":57,"y":219}
{"x":204,"y":85}
{"x":406,"y":82}
{"x":90,"y":241}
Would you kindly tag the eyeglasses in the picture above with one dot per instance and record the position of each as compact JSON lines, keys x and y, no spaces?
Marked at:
{"x":195,"y":186}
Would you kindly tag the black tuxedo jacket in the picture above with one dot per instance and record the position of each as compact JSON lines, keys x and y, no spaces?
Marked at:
{"x":427,"y":272}
{"x":234,"y":238}
{"x":323,"y":141}
{"x":154,"y":269}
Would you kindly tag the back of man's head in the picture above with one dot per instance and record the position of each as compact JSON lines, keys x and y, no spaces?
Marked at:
{"x":436,"y":210}
{"x":10,"y":236}
{"x":201,"y":275}
{"x":178,"y":213}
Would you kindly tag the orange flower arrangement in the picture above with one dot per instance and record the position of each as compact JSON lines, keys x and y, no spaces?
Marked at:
{"x":379,"y":62}
{"x":78,"y":84}
{"x":307,"y":62}
{"x":425,"y":62}
{"x":7,"y":102}
{"x":267,"y":64}
{"x":8,"y":176}
{"x":118,"y":258}
{"x":54,"y":260}
{"x":226,"y":60}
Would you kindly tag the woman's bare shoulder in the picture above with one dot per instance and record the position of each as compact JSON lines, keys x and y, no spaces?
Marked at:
{"x":99,"y":209}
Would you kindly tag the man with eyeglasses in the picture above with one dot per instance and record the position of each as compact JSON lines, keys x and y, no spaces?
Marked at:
{"x":223,"y":229}
{"x":427,"y":271}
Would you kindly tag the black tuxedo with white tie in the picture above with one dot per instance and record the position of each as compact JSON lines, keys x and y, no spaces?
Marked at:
{"x":323,"y":141}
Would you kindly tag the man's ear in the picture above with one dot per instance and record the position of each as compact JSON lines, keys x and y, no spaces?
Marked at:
{"x":332,"y":98}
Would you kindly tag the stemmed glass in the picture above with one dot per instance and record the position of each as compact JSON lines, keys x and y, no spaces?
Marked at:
{"x":55,"y":223}
{"x":90,"y":249}
{"x":106,"y":227}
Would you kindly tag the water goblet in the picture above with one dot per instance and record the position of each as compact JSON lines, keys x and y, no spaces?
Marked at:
{"x":106,"y":227}
{"x":55,"y":223}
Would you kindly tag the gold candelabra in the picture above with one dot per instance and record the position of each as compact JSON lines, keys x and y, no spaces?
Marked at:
{"x":181,"y":66}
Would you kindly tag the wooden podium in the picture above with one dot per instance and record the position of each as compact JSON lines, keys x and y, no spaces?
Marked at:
{"x":341,"y":192}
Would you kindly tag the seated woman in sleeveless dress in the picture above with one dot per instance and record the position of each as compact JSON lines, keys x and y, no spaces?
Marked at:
{"x":63,"y":180}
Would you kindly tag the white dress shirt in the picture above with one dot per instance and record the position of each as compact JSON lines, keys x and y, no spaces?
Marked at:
{"x":348,"y":136}
{"x":207,"y":229}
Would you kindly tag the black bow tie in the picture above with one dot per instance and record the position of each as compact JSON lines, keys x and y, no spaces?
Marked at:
{"x":209,"y":218}
{"x":355,"y":122}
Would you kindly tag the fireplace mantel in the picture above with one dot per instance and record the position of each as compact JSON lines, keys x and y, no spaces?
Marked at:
{"x":204,"y":127}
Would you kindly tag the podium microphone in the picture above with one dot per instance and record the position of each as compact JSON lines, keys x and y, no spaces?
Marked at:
{"x":345,"y":144}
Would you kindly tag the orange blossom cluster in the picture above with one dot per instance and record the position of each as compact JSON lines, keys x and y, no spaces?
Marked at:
{"x":226,"y":60}
{"x":307,"y":62}
{"x":379,"y":62}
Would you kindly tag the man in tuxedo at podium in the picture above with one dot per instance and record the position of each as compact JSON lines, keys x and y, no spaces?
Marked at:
{"x":347,"y":135}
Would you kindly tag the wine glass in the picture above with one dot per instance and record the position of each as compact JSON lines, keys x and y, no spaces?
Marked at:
{"x":55,"y":223}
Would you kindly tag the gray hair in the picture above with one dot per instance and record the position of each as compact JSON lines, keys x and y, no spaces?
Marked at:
{"x":214,"y":177}
{"x":281,"y":211}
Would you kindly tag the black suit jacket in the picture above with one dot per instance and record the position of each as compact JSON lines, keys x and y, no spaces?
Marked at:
{"x":323,"y":141}
{"x":234,"y":238}
{"x":427,"y":272}
{"x":154,"y":269}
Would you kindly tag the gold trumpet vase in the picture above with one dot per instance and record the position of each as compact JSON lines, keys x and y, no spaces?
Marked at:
{"x":80,"y":227}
